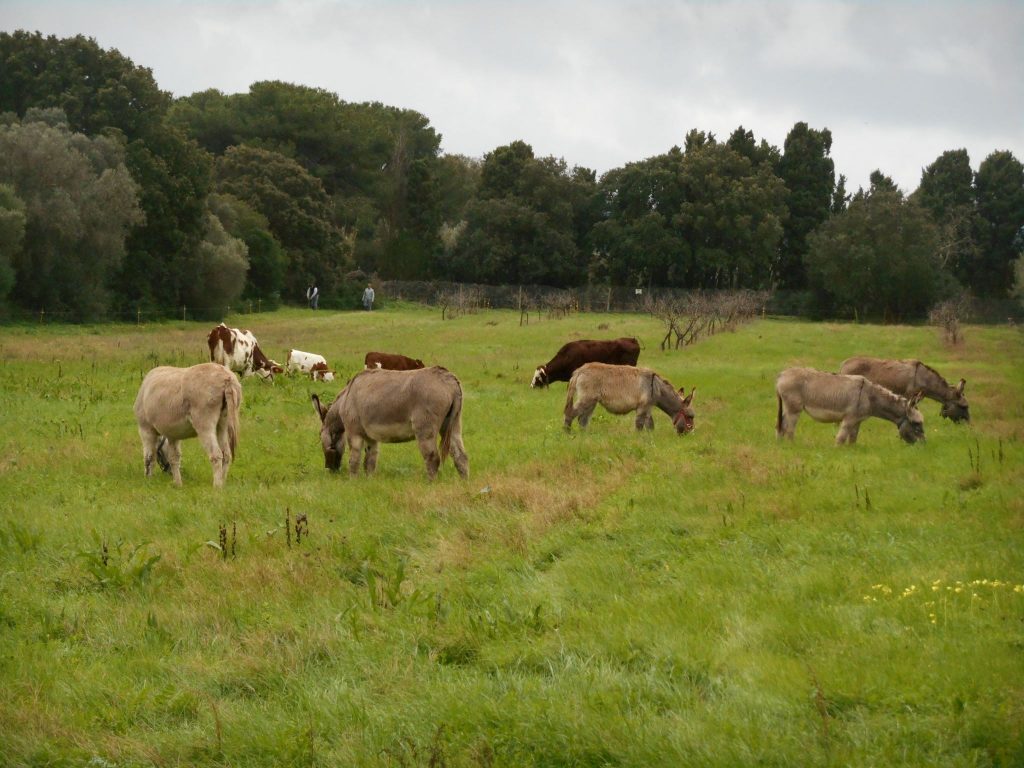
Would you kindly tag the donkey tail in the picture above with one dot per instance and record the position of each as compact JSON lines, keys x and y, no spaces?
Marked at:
{"x":452,"y":422}
{"x":570,"y":395}
{"x":232,"y":404}
{"x":778,"y":418}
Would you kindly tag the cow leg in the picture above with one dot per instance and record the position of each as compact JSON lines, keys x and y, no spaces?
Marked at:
{"x":370,"y":462}
{"x":149,"y":440}
{"x":208,"y":439}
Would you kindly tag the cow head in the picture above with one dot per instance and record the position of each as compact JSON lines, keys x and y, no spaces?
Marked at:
{"x":332,"y":434}
{"x":540,"y":377}
{"x":319,"y":372}
{"x":683,"y":421}
{"x":956,"y":408}
{"x":911,"y":426}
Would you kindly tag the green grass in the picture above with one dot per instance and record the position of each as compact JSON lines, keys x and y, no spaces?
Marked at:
{"x":608,"y":598}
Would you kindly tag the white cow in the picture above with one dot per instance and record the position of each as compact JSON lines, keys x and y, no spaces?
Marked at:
{"x":308,"y":362}
{"x":239,"y":351}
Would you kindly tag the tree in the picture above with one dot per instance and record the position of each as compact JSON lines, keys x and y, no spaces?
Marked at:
{"x":809,"y":174}
{"x":297,"y":210}
{"x":947,"y":193}
{"x":876,"y":259}
{"x":218,"y":270}
{"x":12,"y":236}
{"x":524,"y":225}
{"x":79,"y":203}
{"x":999,"y":186}
{"x":102,"y":92}
{"x":267,"y":259}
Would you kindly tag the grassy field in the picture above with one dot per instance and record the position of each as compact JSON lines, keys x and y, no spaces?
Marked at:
{"x":599,"y":599}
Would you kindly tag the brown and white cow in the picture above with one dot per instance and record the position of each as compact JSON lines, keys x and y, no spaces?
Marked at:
{"x":624,"y":351}
{"x":239,"y":351}
{"x":391,"y":362}
{"x":308,"y":362}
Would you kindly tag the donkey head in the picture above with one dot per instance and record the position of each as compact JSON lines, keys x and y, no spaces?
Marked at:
{"x":332,"y":433}
{"x":683,"y":421}
{"x":911,"y":426}
{"x":956,"y":408}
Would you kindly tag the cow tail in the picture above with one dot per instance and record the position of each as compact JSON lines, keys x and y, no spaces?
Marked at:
{"x":233,"y":404}
{"x":452,"y":422}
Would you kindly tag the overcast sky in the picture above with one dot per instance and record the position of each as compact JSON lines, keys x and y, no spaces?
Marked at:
{"x":603,"y":83}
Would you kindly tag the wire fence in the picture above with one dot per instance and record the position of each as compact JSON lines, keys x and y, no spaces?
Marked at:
{"x":138,"y":314}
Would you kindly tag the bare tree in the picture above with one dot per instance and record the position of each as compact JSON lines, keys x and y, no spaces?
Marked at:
{"x":948,"y":315}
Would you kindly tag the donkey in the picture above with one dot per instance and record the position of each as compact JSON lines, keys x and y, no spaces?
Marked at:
{"x":836,"y":397}
{"x":624,"y":388}
{"x":382,"y":406}
{"x":906,"y":377}
{"x":177,"y":403}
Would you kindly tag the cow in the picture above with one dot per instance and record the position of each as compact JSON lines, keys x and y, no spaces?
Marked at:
{"x":308,"y":362}
{"x":174,"y":404}
{"x":624,"y":351}
{"x":239,"y":351}
{"x":391,"y":362}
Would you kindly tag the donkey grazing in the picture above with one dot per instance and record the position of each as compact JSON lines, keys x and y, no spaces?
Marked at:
{"x":177,"y":403}
{"x":907,"y":377}
{"x":836,"y":397}
{"x":624,"y":388}
{"x":382,"y":406}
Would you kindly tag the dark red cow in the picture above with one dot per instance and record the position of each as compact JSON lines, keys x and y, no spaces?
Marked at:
{"x":391,"y":362}
{"x":624,"y":351}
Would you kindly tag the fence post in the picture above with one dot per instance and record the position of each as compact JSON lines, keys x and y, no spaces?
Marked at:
{"x":138,"y":316}
{"x":183,"y":312}
{"x":259,"y":305}
{"x":608,"y":304}
{"x":42,"y":314}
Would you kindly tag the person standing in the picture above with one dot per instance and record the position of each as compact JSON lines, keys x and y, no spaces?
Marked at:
{"x":368,"y":297}
{"x":313,"y":296}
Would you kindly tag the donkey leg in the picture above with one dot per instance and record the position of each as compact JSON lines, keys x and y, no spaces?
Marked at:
{"x":355,"y":447}
{"x":370,"y":461}
{"x":459,"y":456}
{"x":208,"y":439}
{"x":427,"y":444}
{"x":787,"y":424}
{"x":848,"y":432}
{"x":149,"y":440}
{"x":225,"y":448}
{"x":584,"y":411}
{"x":172,"y":449}
{"x":644,"y":420}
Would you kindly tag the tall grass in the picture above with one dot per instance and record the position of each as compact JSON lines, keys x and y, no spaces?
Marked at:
{"x":606,"y":598}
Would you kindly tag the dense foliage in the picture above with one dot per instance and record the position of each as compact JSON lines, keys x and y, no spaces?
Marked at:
{"x":266,"y":191}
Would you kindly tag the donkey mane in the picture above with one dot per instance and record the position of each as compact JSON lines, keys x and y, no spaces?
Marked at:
{"x":937,"y":375}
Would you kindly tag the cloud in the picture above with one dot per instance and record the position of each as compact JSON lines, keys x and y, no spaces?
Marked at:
{"x":602,"y":83}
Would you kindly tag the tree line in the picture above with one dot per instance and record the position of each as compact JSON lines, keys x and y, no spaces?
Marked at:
{"x":115,"y":198}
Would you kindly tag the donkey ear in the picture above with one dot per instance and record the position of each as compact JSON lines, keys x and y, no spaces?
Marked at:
{"x":916,"y":398}
{"x":320,"y":410}
{"x":960,"y":386}
{"x":689,"y":398}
